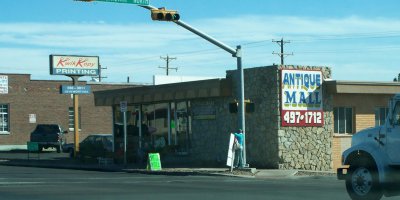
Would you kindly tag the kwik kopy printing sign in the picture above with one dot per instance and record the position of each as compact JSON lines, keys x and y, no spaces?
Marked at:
{"x":301,"y":98}
{"x":74,"y":65}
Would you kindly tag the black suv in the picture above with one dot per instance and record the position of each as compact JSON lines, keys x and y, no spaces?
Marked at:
{"x":49,"y":135}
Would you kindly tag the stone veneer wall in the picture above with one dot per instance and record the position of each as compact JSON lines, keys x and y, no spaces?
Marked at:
{"x":308,"y":148}
{"x":268,"y":144}
{"x":210,"y":138}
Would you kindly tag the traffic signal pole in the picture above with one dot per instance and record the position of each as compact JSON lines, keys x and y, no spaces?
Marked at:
{"x":174,"y":17}
{"x":235,"y":53}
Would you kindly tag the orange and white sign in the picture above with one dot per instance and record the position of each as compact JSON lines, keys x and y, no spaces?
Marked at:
{"x":74,"y":65}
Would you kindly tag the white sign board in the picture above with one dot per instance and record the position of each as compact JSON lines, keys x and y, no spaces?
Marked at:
{"x":32,"y":118}
{"x":74,"y":65}
{"x":124,"y":106}
{"x":230,"y":159}
{"x":301,"y":98}
{"x":3,"y":84}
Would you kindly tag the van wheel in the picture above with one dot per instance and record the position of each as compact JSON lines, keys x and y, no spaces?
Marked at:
{"x":362,"y":182}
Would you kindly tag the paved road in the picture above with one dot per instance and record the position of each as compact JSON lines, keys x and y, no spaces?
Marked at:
{"x":39,"y":183}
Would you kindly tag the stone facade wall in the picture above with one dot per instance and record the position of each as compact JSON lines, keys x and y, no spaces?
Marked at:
{"x":308,"y":148}
{"x":262,"y":125}
{"x":210,"y":138}
{"x":268,"y":145}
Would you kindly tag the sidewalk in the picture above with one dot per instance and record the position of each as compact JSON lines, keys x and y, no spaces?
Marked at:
{"x":68,"y":163}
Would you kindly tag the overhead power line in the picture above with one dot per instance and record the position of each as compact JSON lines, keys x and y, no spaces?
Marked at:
{"x":282,"y":43}
{"x":260,"y":43}
{"x":167,"y":67}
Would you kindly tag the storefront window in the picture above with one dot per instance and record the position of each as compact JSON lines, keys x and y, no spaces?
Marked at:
{"x":4,"y":118}
{"x":162,"y":127}
{"x":155,"y":119}
{"x":343,"y":120}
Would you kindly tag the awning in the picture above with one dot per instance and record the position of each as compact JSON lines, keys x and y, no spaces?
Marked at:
{"x":165,"y":93}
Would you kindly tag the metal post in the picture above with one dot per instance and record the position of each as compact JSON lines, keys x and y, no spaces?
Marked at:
{"x":76,"y":117}
{"x":125,"y":139}
{"x":169,"y":125}
{"x":140,"y":127}
{"x":241,"y":110}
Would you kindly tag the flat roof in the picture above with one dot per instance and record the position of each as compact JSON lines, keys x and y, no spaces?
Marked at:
{"x":362,"y":87}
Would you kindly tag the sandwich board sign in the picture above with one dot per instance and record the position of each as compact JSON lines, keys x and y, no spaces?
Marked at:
{"x":154,"y":162}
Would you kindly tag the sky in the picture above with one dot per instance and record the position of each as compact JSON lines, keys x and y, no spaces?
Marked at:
{"x":358,"y":39}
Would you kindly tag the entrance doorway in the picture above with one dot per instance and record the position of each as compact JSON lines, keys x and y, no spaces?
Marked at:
{"x":180,"y":127}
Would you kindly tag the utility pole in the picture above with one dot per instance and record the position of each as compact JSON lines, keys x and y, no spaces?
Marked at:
{"x":100,"y":76}
{"x":281,"y":43}
{"x":167,"y":60}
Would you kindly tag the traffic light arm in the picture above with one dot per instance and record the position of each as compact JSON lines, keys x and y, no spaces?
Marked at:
{"x":199,"y":33}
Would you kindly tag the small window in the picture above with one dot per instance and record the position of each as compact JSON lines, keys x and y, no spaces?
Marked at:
{"x":380,"y":115}
{"x":4,"y":118}
{"x":71,"y":119}
{"x":343,"y":120}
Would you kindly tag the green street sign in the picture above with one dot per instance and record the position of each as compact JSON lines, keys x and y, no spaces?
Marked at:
{"x":139,"y":2}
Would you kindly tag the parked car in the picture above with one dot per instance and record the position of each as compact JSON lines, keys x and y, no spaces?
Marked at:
{"x":49,"y":135}
{"x":95,"y":145}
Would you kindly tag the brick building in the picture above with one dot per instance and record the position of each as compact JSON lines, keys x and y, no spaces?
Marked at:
{"x":24,"y":103}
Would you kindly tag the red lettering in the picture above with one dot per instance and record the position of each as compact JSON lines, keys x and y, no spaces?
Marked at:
{"x":80,"y":62}
{"x":62,"y":62}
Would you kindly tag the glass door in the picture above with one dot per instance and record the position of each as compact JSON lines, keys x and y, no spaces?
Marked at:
{"x":181,"y":124}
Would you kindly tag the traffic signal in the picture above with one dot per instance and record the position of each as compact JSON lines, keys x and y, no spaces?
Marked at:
{"x":249,"y":107}
{"x":233,"y":107}
{"x":164,"y":15}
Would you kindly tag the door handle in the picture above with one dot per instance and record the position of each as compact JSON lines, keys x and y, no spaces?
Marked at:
{"x":379,"y":141}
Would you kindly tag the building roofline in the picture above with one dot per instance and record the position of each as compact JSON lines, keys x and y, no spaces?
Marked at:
{"x":362,"y":87}
{"x":166,"y":92}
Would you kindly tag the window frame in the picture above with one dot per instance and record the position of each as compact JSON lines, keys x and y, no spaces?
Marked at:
{"x":7,"y":113}
{"x":347,"y":123}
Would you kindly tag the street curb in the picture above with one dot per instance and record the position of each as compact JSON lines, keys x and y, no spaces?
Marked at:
{"x":85,"y":168}
{"x":239,"y":173}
